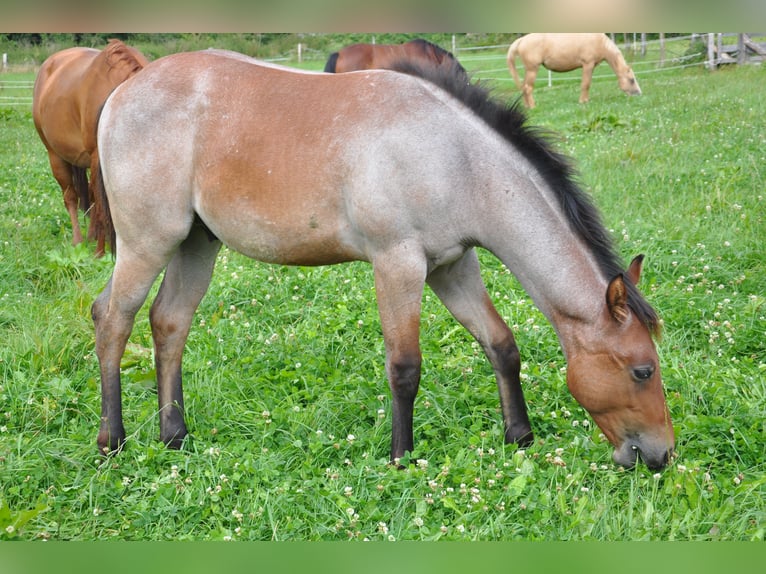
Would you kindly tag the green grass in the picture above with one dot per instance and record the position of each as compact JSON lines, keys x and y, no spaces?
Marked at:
{"x":286,"y":395}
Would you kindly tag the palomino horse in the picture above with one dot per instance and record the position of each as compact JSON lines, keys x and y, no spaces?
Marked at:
{"x":372,"y":56}
{"x":69,"y":91}
{"x":566,"y":52}
{"x":285,"y":166}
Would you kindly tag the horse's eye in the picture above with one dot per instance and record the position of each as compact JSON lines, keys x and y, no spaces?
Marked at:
{"x":641,"y":374}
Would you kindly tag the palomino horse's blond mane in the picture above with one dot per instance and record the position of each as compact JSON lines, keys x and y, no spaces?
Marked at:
{"x":566,"y":52}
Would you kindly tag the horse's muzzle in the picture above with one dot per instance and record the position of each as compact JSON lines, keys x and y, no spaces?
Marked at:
{"x":655,"y":457}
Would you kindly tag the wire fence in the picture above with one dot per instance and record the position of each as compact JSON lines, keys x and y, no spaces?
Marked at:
{"x":489,"y":62}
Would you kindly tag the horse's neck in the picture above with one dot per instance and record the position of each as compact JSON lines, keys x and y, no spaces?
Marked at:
{"x":614,"y":57}
{"x":554,"y":266}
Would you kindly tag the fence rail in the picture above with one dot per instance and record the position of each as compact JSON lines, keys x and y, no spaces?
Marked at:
{"x":646,"y":57}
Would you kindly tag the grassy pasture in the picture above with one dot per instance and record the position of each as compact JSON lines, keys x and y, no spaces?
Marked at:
{"x":285,"y":386}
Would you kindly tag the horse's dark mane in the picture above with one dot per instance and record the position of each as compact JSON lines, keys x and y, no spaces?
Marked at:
{"x":439,"y":54}
{"x":557,"y":170}
{"x":426,"y":46}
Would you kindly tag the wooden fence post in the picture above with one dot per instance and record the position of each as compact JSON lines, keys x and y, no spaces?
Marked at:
{"x":741,"y":50}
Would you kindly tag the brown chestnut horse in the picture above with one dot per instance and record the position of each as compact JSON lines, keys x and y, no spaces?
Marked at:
{"x":567,"y":52}
{"x":286,"y":166}
{"x":372,"y":56}
{"x":69,"y":91}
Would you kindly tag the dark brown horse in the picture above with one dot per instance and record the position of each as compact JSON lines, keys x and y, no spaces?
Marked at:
{"x":69,"y":91}
{"x":286,"y":166}
{"x":372,"y":56}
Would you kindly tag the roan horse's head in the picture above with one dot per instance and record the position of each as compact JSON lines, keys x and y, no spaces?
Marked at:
{"x":617,"y":380}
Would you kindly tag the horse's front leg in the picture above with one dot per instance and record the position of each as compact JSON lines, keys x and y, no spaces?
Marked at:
{"x":461,"y":289}
{"x":399,"y":283}
{"x":186,"y":280}
{"x":587,"y":76}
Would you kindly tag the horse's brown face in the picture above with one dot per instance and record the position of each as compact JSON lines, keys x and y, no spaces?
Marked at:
{"x":616,"y":378}
{"x":629,"y":83}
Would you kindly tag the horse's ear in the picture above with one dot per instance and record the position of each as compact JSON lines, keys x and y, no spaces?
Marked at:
{"x":617,"y":299}
{"x":634,"y":270}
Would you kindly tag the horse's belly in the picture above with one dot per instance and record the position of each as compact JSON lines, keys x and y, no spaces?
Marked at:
{"x":561,"y":64}
{"x":307,"y":238}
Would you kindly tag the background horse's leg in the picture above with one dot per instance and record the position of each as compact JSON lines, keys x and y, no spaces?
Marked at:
{"x":587,"y":76}
{"x":114,"y":312}
{"x":461,"y":289}
{"x":63,"y":172}
{"x":399,"y":283}
{"x":185,"y":283}
{"x":530,"y":75}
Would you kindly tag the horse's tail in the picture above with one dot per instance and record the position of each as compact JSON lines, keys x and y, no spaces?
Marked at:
{"x":511,"y":59}
{"x":105,"y":226}
{"x":331,"y":62}
{"x":80,"y":183}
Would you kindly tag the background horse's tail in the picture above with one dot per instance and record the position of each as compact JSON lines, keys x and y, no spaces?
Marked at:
{"x":80,"y":182}
{"x":105,"y":226}
{"x":331,"y":61}
{"x":511,"y":59}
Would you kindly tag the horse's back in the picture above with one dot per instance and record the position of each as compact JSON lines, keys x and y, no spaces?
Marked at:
{"x":355,"y":57}
{"x":57,"y":100}
{"x":282,"y":165}
{"x":561,"y":52}
{"x":61,"y":73}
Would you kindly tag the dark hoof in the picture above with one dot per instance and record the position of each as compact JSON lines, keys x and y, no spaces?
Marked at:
{"x":176,"y":441}
{"x":111,"y":449}
{"x":110,"y":444}
{"x":522,"y":438}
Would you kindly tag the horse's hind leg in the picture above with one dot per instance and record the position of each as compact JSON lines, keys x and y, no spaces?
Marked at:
{"x":530,"y":76}
{"x":461,"y":289}
{"x":185,"y":283}
{"x":114,"y":312}
{"x":399,"y":282}
{"x":63,"y":173}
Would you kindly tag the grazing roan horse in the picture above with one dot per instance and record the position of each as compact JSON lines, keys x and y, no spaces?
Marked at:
{"x":291,"y":167}
{"x":69,"y":91}
{"x":566,"y":52}
{"x":373,"y":56}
